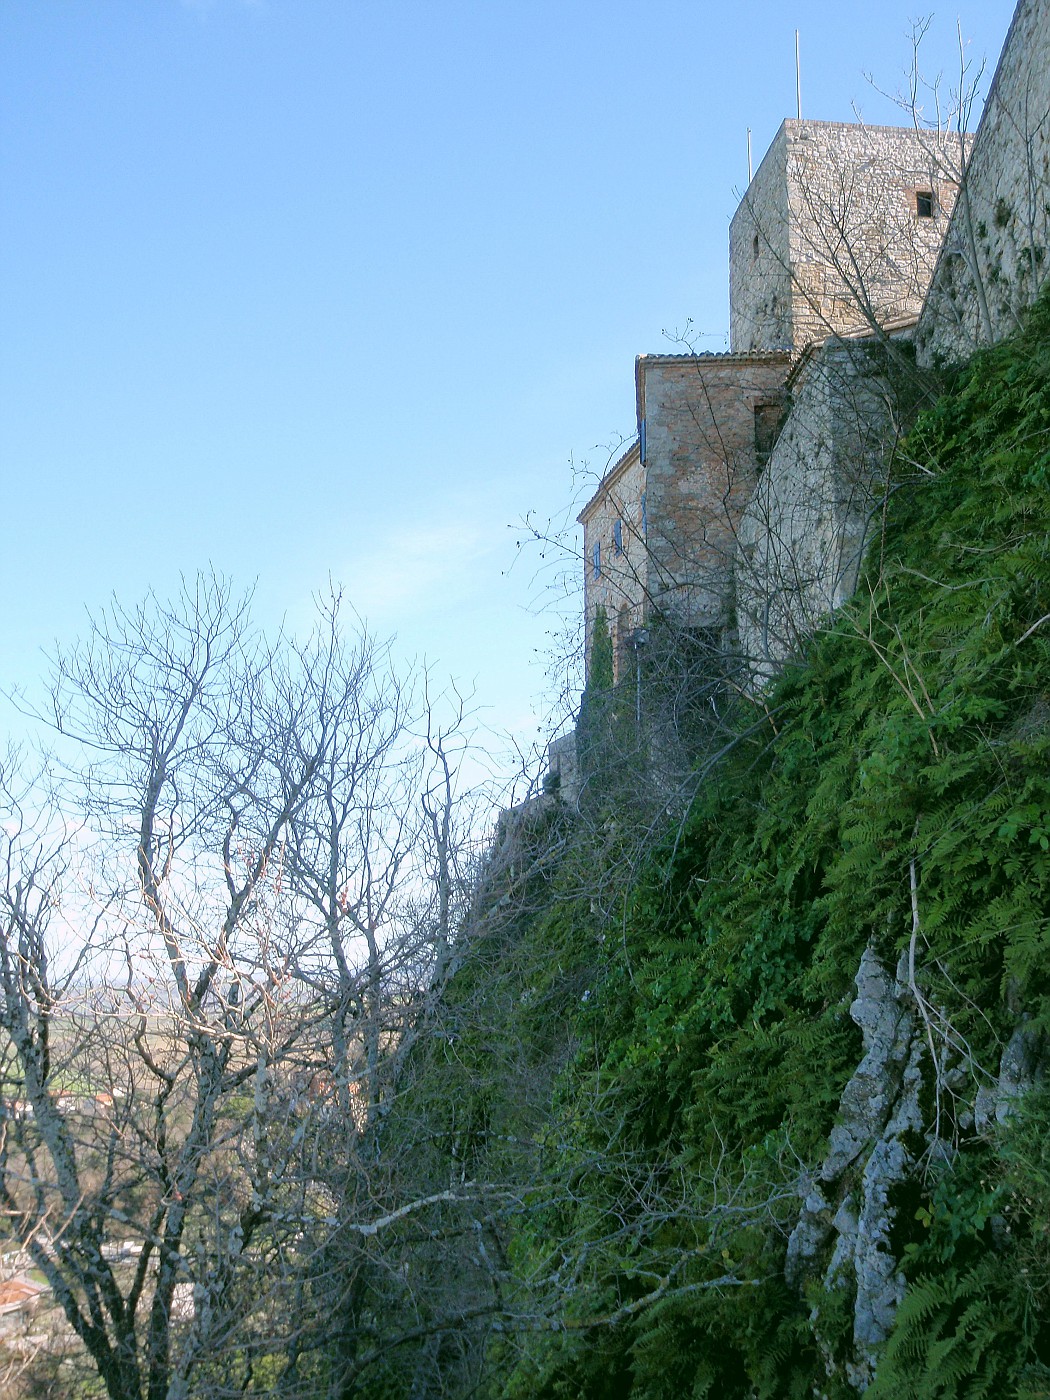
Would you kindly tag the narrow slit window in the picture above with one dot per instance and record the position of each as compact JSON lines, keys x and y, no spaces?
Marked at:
{"x":767,"y":422}
{"x":924,"y":204}
{"x":618,"y":537}
{"x":597,"y":559}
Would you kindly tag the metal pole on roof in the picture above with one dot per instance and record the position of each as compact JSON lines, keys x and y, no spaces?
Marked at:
{"x":798,"y":79}
{"x":749,"y":155}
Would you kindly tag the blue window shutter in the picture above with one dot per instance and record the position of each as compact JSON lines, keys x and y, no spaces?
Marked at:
{"x":618,"y":536}
{"x":597,"y":559}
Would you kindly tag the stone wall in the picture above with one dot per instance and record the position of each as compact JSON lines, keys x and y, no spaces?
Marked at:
{"x":806,"y":525}
{"x":617,"y":577}
{"x":760,"y":290}
{"x":835,"y":242}
{"x":995,"y":255}
{"x":701,"y":419}
{"x":839,"y":230}
{"x":660,"y":531}
{"x":563,"y":779}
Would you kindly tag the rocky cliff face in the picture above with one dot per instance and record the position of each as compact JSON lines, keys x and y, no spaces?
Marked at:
{"x":882,"y":1140}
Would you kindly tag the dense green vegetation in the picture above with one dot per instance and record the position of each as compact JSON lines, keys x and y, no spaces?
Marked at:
{"x":654,"y":1052}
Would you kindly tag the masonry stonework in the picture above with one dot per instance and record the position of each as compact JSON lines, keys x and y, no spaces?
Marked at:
{"x":711,"y":518}
{"x":803,"y":534}
{"x":996,"y":254}
{"x":839,"y":230}
{"x":616,"y":560}
{"x":702,"y":417}
{"x":660,"y":532}
{"x":760,"y":291}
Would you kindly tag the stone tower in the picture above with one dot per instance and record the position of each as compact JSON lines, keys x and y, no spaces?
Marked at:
{"x":838,"y":231}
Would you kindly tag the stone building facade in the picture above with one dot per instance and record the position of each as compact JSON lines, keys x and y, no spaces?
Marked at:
{"x":806,"y":527}
{"x":996,"y":254}
{"x":661,"y":530}
{"x":804,"y":530}
{"x":706,"y":424}
{"x":745,"y":503}
{"x":836,"y":235}
{"x":838,"y":231}
{"x":616,"y":559}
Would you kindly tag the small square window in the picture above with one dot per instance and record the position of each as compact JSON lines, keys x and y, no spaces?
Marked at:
{"x":618,"y":537}
{"x":924,"y":204}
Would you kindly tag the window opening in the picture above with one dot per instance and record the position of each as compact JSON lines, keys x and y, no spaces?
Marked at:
{"x":924,"y":204}
{"x":618,"y":537}
{"x":767,"y":421}
{"x":597,"y":559}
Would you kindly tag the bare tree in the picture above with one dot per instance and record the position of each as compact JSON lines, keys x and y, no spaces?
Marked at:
{"x":226,"y":896}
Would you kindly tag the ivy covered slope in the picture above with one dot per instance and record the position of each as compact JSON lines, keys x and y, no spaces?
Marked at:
{"x":802,"y":1145}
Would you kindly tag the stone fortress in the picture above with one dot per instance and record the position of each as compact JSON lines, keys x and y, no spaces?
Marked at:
{"x":858,"y":256}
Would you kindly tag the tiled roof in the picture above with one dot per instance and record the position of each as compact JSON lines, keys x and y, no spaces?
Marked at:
{"x":763,"y":355}
{"x":15,"y":1293}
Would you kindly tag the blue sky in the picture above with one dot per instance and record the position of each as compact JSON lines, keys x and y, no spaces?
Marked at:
{"x":311,"y":289}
